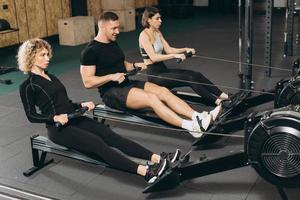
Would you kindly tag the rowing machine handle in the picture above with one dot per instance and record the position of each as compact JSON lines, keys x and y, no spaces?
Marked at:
{"x":187,"y":55}
{"x":79,"y":112}
{"x":133,"y":72}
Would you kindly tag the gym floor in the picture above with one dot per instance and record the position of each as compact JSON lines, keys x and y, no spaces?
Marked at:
{"x":211,"y":35}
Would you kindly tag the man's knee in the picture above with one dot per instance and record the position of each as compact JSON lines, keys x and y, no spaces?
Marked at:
{"x":164,"y":92}
{"x":152,"y":99}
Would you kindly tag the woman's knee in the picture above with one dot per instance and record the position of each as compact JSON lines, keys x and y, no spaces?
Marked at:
{"x":198,"y":75}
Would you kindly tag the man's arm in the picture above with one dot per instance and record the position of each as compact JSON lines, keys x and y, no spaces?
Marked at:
{"x":129,"y":66}
{"x":90,"y":80}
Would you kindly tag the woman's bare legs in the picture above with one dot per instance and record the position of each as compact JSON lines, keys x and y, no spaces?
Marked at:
{"x":180,"y":106}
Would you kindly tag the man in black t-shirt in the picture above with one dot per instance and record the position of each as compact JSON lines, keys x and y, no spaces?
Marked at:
{"x":103,"y":66}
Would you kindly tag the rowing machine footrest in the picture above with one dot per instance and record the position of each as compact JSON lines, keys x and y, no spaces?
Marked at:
{"x":170,"y":179}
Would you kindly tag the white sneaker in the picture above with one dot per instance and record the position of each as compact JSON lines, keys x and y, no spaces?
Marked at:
{"x":201,"y":116}
{"x":215,"y":112}
{"x":199,"y":126}
{"x":206,"y":122}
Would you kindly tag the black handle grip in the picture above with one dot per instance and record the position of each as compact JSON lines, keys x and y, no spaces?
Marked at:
{"x":58,"y":125}
{"x":187,"y":55}
{"x":133,"y":72}
{"x":79,"y":112}
{"x":6,"y":82}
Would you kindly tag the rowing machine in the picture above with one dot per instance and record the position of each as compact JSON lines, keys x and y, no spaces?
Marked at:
{"x":41,"y":145}
{"x":229,"y":121}
{"x":233,"y":116}
{"x":271,"y":147}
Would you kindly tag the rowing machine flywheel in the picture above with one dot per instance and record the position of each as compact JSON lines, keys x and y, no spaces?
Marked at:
{"x":288,"y":92}
{"x":273,"y":147}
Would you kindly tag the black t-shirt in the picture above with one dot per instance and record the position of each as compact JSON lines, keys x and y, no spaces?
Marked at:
{"x":42,"y":99}
{"x":107,"y":57}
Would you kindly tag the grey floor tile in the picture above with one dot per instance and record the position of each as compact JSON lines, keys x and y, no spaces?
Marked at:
{"x":13,"y":149}
{"x":16,"y":118}
{"x":178,"y":194}
{"x":111,"y":185}
{"x":263,"y":190}
{"x":66,"y":177}
{"x":11,"y":100}
{"x":5,"y":110}
{"x":33,"y":189}
{"x":10,"y":134}
{"x":235,"y":183}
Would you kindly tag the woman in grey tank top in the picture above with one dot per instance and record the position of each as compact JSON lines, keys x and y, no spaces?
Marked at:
{"x":155,"y":49}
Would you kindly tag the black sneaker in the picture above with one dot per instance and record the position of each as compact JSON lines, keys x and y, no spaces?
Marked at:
{"x":171,"y":157}
{"x":156,"y":170}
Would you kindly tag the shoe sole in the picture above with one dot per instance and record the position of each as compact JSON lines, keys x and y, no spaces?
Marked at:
{"x":163,"y":168}
{"x":153,"y":179}
{"x":177,"y":154}
{"x":217,"y":114}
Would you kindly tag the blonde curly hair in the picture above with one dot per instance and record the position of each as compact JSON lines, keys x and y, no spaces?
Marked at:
{"x":27,"y":52}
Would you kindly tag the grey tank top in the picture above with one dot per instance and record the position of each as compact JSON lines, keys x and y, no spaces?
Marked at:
{"x":157,"y":45}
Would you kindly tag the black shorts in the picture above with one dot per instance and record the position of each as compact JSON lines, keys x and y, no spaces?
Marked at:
{"x":115,"y":97}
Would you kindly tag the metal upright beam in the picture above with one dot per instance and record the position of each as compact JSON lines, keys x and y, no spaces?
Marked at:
{"x":247,"y":75}
{"x":240,"y":43}
{"x":268,"y":36}
{"x":289,"y":26}
{"x":297,"y":13}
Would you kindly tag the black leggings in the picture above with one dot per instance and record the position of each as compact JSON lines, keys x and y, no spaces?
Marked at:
{"x":93,"y":138}
{"x":208,"y":92}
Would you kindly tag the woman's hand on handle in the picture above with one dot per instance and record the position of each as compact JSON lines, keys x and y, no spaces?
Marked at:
{"x":187,"y":50}
{"x":88,"y":104}
{"x":180,"y":57}
{"x":142,"y":65}
{"x":62,"y":119}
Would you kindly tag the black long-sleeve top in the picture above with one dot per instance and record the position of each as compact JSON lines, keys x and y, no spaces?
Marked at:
{"x":42,"y":98}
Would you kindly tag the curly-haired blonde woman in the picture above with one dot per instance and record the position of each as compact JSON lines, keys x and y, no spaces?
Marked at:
{"x":48,"y":94}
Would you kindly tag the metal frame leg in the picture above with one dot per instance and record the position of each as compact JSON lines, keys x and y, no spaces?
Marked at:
{"x":38,"y":161}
